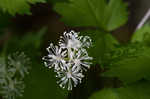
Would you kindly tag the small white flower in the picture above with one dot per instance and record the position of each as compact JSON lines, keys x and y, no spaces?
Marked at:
{"x":12,"y":73}
{"x":70,"y":77}
{"x":12,"y":88}
{"x":73,"y":40}
{"x":18,"y":62}
{"x":86,"y":41}
{"x":70,"y":59}
{"x":81,"y":60}
{"x":55,"y":57}
{"x":70,"y":40}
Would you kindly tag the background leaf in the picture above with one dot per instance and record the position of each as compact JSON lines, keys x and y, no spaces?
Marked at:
{"x":17,"y":6}
{"x":41,"y":84}
{"x":131,"y":68}
{"x":134,"y":91}
{"x":101,"y":43}
{"x":142,"y":35}
{"x":30,"y":42}
{"x":97,"y":13}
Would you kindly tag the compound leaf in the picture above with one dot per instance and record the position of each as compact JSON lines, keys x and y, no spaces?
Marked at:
{"x":131,"y":66}
{"x":96,"y":13}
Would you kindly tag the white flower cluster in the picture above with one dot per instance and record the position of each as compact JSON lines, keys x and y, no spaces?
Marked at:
{"x":12,"y":73}
{"x":70,"y":59}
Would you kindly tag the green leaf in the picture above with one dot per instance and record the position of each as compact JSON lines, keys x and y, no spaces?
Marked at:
{"x":142,"y":35}
{"x":134,"y":91}
{"x":41,"y":84}
{"x":36,"y":1}
{"x":105,"y":94}
{"x":96,"y":13}
{"x":30,"y":42}
{"x":56,"y":1}
{"x":17,"y":6}
{"x":34,"y":39}
{"x":115,"y":14}
{"x":5,"y":20}
{"x":132,"y":65}
{"x":101,"y":43}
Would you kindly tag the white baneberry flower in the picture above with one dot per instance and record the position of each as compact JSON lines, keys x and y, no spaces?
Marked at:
{"x":3,"y":71}
{"x":18,"y":62}
{"x":12,"y":89}
{"x":69,"y":77}
{"x":12,"y":72}
{"x":55,"y":57}
{"x":70,"y":40}
{"x":86,"y":41}
{"x":81,"y":60}
{"x":73,"y":40}
{"x":69,"y":59}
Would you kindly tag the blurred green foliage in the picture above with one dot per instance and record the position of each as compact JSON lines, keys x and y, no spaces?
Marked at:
{"x":17,"y":6}
{"x":131,"y":62}
{"x":128,"y":68}
{"x":142,"y":35}
{"x":102,"y":42}
{"x":41,"y":83}
{"x":134,"y":91}
{"x":29,"y":43}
